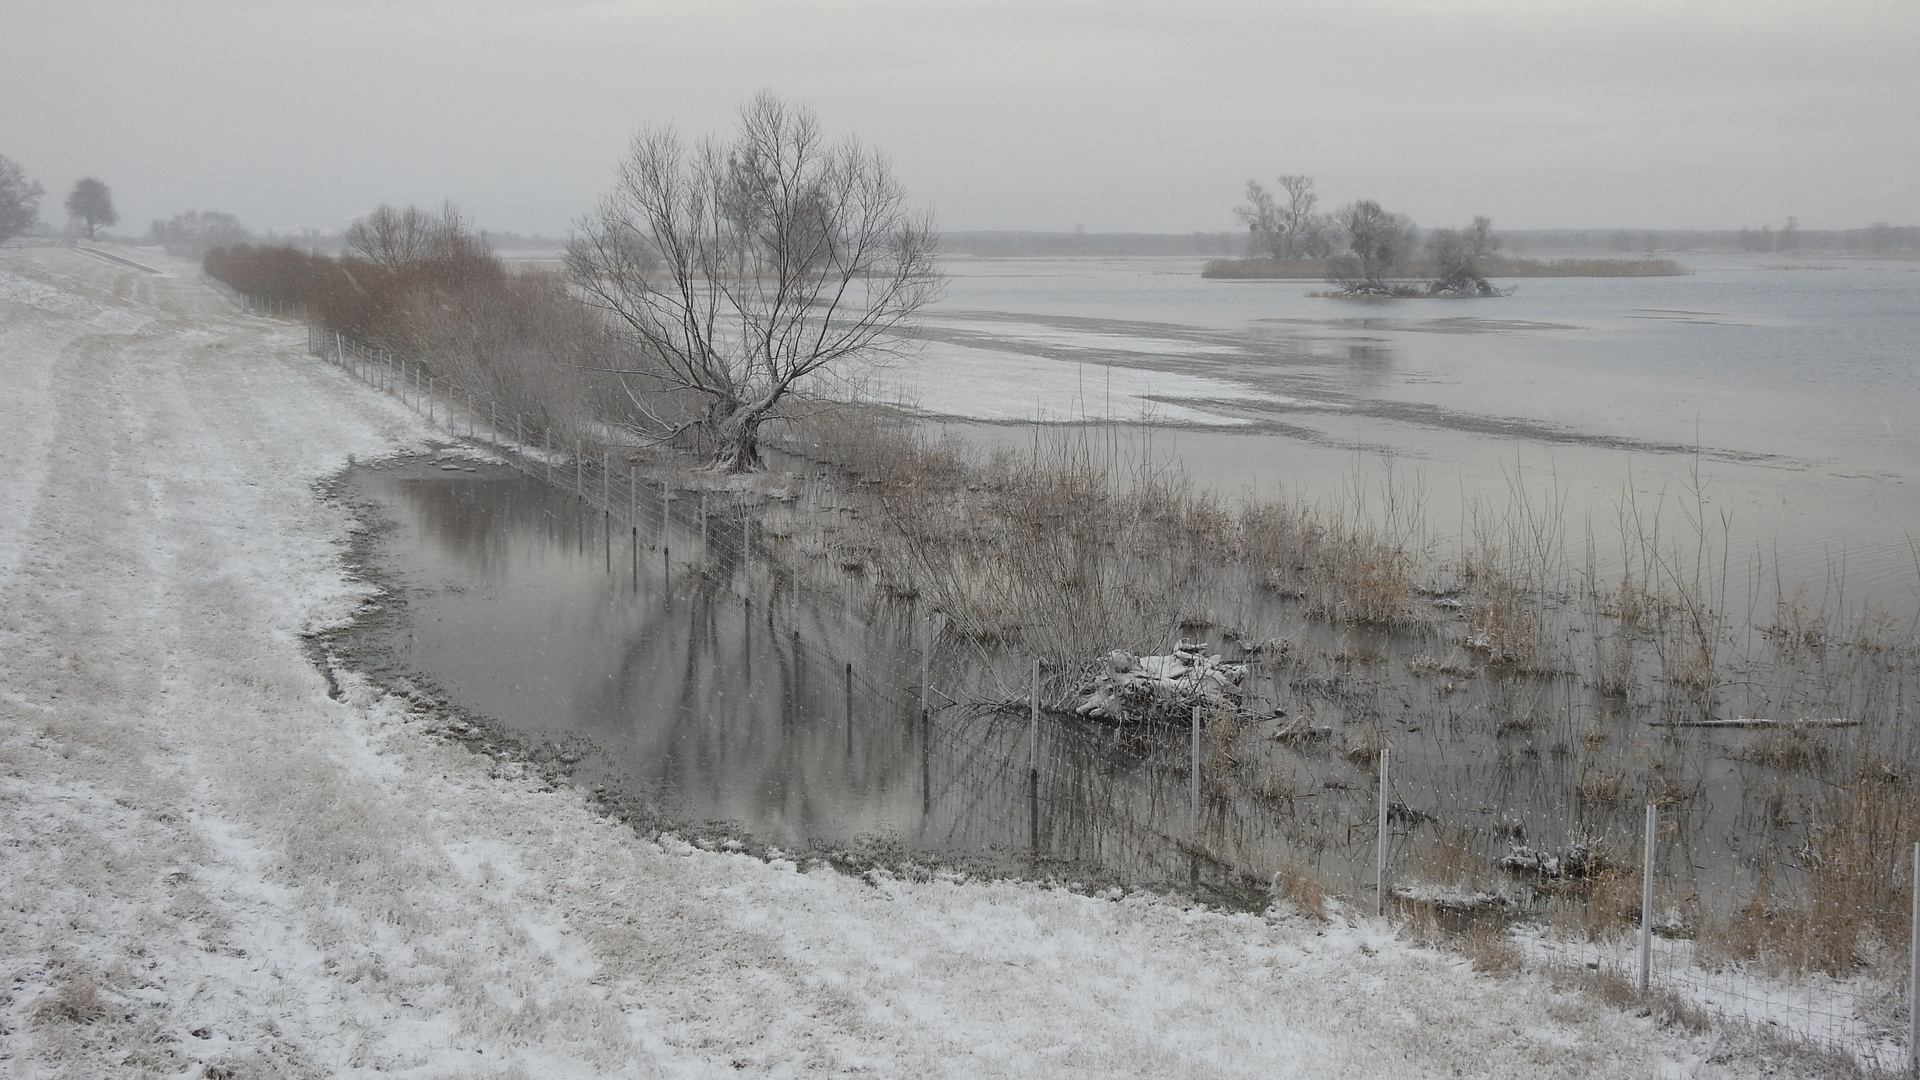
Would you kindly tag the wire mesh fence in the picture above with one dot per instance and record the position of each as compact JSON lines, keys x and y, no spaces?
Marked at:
{"x":1549,"y":861}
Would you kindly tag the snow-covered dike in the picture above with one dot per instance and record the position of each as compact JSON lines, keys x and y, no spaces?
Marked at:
{"x":209,"y":867}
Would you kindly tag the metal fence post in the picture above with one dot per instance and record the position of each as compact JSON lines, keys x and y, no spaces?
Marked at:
{"x":926,"y":727}
{"x":1380,"y":844}
{"x":1193,"y":798}
{"x":1646,"y":898}
{"x":1913,"y":973}
{"x":1033,"y":764}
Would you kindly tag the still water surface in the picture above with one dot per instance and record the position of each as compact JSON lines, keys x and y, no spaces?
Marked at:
{"x":1779,"y":398}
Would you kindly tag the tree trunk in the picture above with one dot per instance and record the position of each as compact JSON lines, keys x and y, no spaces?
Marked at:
{"x":736,"y":435}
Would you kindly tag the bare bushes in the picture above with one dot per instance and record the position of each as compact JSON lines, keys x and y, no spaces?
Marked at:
{"x":519,"y":343}
{"x":282,"y":274}
{"x":1066,"y":551}
{"x":424,"y":286}
{"x":1853,"y":909}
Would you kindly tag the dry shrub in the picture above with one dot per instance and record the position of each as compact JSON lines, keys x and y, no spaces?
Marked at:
{"x":1602,"y":785}
{"x":280,"y":273}
{"x":1789,"y":749}
{"x":1362,"y":746}
{"x":1487,"y":946}
{"x":1598,"y":906}
{"x":1298,"y":886}
{"x":1615,"y":673}
{"x":1506,"y":628}
{"x":77,"y":1001}
{"x":1858,"y":898}
{"x":1454,"y":859}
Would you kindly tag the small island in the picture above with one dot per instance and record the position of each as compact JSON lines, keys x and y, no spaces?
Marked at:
{"x":1370,"y":252}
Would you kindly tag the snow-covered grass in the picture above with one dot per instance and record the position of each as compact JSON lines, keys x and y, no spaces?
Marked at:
{"x":211,"y":867}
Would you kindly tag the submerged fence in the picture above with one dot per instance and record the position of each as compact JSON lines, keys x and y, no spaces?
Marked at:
{"x":1597,"y":890}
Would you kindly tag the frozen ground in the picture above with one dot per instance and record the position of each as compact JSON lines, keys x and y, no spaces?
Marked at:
{"x":210,"y":867}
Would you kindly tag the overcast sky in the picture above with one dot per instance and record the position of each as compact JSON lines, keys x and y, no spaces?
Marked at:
{"x":1036,"y":114}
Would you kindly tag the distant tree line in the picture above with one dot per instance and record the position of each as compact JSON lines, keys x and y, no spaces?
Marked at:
{"x":194,"y":233}
{"x":1879,"y":238}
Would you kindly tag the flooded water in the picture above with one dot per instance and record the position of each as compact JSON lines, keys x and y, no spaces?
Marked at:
{"x":1774,"y":400}
{"x":706,"y":668}
{"x":730,"y":695}
{"x":737,"y":680}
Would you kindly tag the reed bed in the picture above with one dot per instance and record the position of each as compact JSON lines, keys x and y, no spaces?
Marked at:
{"x":1590,"y":673}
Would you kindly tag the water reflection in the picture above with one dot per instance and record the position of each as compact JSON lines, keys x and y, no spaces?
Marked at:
{"x":780,"y":697}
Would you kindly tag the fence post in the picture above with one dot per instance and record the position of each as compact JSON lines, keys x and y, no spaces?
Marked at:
{"x":926,"y":730}
{"x":1193,"y":798}
{"x":1913,"y":973}
{"x":1033,"y":764}
{"x":1646,"y":898}
{"x":1380,"y":844}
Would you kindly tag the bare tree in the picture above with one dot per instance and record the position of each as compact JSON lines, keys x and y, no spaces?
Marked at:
{"x":91,"y":204}
{"x":396,"y":240}
{"x":741,"y":271}
{"x":1286,"y":231}
{"x":1261,"y":216}
{"x":19,"y":199}
{"x":1379,"y":239}
{"x":1480,"y":240}
{"x":1453,"y":252}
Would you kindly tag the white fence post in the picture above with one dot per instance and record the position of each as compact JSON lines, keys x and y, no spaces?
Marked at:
{"x":1646,"y":898}
{"x":1380,"y":845}
{"x":1033,"y":765}
{"x":1913,"y":973}
{"x":926,"y":721}
{"x":1193,"y":778}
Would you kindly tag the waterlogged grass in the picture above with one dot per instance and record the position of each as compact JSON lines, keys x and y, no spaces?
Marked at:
{"x":1537,"y":688}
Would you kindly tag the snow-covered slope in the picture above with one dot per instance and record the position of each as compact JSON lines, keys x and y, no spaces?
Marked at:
{"x":205,"y":861}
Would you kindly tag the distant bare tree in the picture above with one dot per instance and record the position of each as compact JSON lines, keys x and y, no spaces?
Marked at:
{"x":195,"y":233}
{"x":1286,"y":231}
{"x":91,"y":204}
{"x":1480,"y":240}
{"x":396,"y":240}
{"x":1453,"y":252}
{"x":1378,"y":239}
{"x":738,"y":271}
{"x":19,"y":199}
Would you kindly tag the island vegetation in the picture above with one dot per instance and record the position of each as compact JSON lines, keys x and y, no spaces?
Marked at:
{"x":1368,"y":251}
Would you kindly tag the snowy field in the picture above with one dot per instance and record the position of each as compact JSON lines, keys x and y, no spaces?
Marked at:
{"x":212,"y":868}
